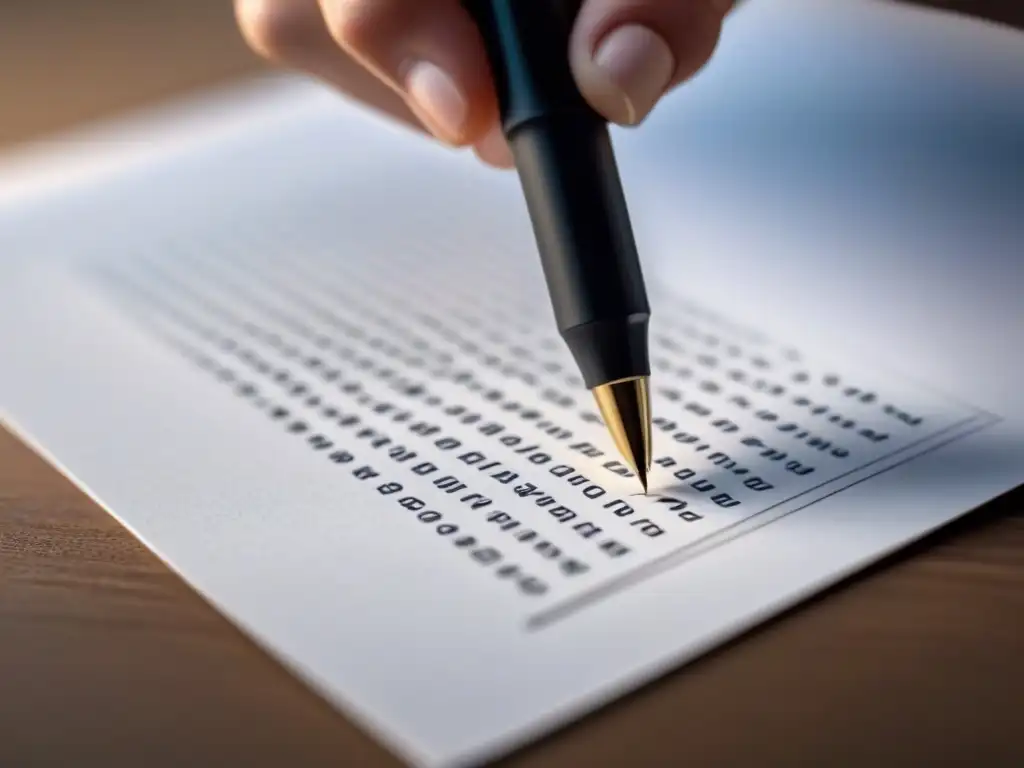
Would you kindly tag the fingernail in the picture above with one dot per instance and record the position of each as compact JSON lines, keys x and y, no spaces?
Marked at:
{"x":639,"y":63}
{"x":437,"y":100}
{"x":494,"y":150}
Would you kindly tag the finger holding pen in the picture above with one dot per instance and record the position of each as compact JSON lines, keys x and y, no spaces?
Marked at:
{"x":422,"y":61}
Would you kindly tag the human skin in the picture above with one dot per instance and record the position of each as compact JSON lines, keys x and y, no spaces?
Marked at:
{"x":422,"y":62}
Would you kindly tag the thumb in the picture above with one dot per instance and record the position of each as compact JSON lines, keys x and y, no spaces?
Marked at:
{"x":626,"y":54}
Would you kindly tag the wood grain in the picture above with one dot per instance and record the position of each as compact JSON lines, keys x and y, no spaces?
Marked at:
{"x":107,"y":658}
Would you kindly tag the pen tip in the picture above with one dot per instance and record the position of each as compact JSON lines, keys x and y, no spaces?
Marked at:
{"x":625,"y":408}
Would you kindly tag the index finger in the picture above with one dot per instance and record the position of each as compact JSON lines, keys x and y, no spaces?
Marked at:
{"x":430,"y":52}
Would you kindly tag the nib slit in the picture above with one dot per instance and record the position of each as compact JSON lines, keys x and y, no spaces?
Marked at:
{"x":625,"y":408}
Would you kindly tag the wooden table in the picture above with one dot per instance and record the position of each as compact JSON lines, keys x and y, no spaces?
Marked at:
{"x":106,"y":658}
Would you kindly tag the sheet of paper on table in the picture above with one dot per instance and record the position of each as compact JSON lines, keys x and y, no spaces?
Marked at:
{"x":308,"y":360}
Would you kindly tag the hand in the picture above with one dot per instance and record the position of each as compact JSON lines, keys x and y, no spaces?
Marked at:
{"x":422,"y":61}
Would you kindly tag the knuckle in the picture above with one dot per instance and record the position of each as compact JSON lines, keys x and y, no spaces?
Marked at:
{"x":354,"y":24}
{"x":274,"y":28}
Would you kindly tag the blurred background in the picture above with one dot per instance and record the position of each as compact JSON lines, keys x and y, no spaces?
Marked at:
{"x":119,"y":54}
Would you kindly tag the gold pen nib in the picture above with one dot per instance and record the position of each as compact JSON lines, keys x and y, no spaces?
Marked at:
{"x":625,"y":406}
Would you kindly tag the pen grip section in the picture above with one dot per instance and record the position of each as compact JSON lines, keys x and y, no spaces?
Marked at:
{"x":570,"y":180}
{"x":527,"y":46}
{"x":580,"y":219}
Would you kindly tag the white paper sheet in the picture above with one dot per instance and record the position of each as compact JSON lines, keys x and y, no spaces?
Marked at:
{"x":307,"y":359}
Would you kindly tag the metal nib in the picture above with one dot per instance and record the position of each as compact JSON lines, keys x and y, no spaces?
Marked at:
{"x":625,"y":406}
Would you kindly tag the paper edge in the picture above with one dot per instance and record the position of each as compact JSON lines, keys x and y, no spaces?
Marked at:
{"x":119,"y":143}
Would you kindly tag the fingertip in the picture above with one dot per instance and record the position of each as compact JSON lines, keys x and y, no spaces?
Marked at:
{"x":457,"y":49}
{"x":627,"y":72}
{"x":627,"y":54}
{"x":437,"y":100}
{"x":429,"y":52}
{"x":493,"y":149}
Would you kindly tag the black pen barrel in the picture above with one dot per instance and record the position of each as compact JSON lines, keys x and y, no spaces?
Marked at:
{"x":571,"y":183}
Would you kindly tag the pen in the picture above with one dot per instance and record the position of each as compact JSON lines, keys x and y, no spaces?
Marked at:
{"x":567,"y":169}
